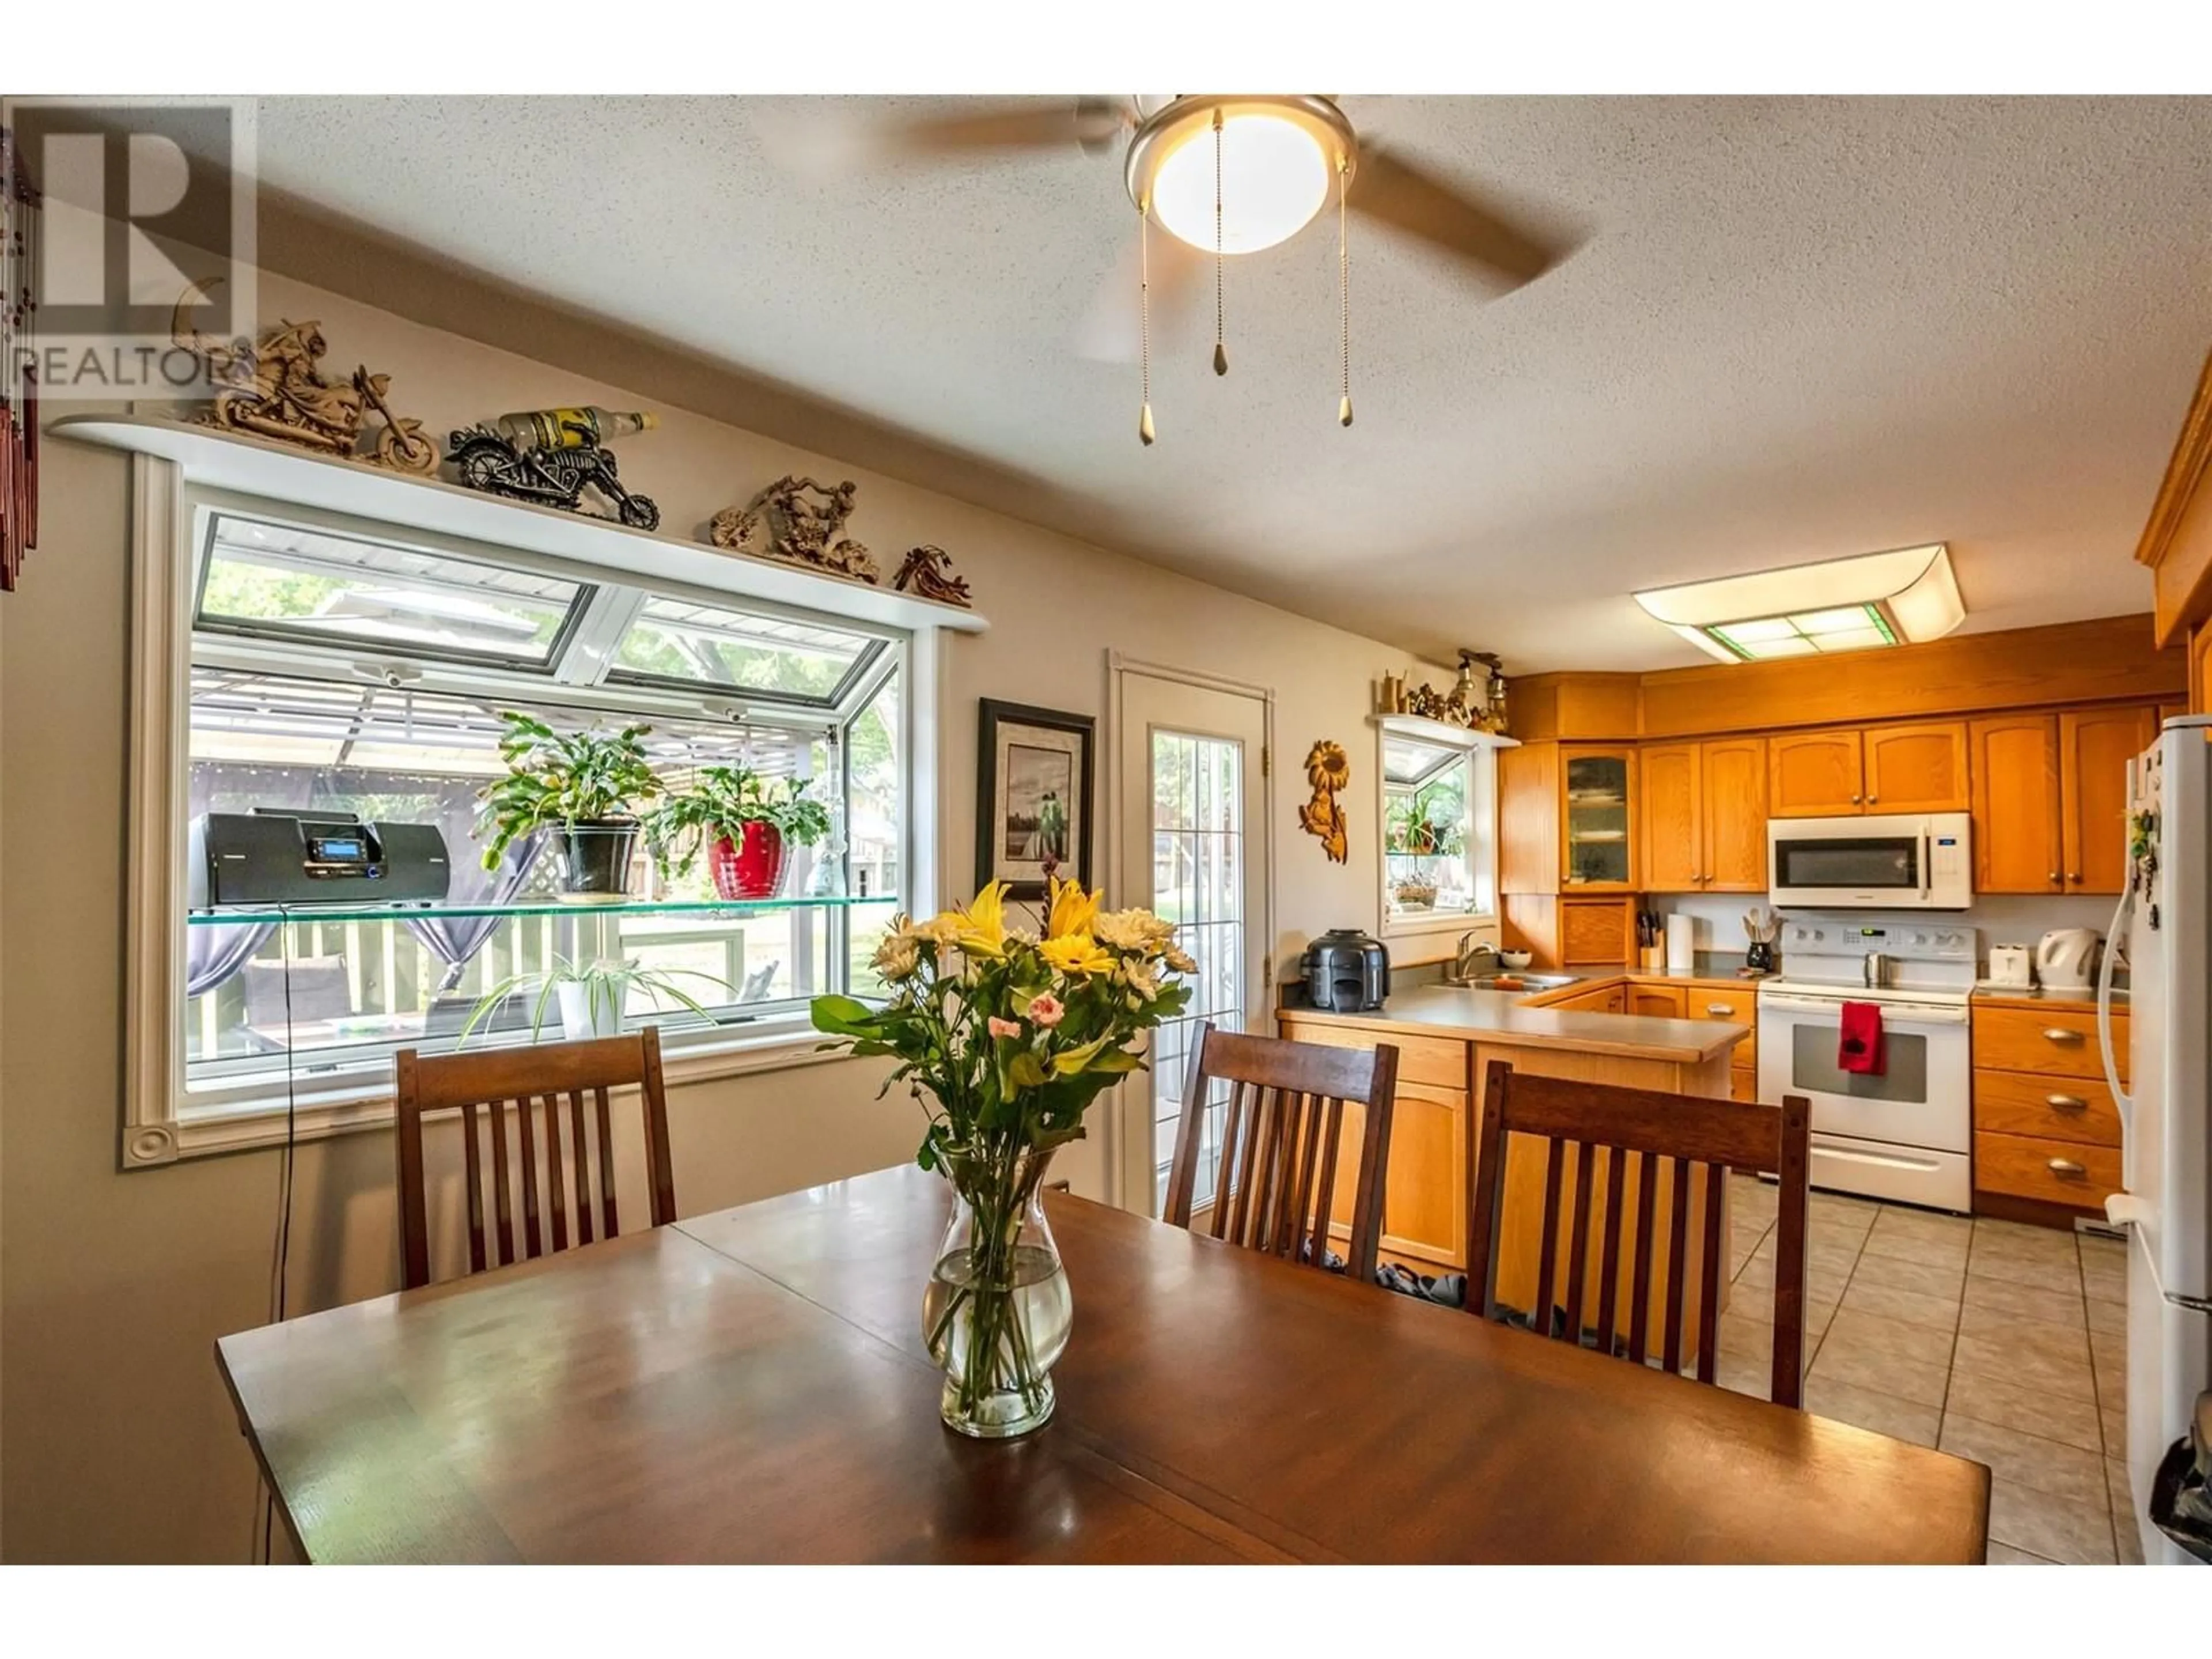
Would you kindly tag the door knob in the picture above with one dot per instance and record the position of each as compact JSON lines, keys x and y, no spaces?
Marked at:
{"x":2054,"y":878}
{"x":2073,"y":875}
{"x":1855,"y":800}
{"x":1873,"y":800}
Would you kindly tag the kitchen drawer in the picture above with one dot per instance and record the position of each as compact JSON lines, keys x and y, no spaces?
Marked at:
{"x":2078,"y":1109}
{"x":1433,"y":1060}
{"x":1705,"y":1002}
{"x":2048,"y":1041}
{"x":2053,"y":1172}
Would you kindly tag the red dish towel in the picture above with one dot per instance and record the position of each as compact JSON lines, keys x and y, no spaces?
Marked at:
{"x":1859,"y":1048}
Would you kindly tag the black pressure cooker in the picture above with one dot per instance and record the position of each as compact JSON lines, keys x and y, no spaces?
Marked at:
{"x":1346,"y":971}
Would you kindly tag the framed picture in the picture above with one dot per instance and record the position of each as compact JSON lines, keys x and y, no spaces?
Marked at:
{"x":1033,"y":797}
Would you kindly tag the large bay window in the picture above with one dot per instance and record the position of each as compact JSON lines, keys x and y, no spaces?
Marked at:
{"x":1438,"y":787}
{"x":300,"y":659}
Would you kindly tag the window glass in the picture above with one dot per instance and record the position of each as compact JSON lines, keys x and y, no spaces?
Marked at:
{"x":284,"y":581}
{"x":681,"y":641}
{"x":1435,"y":856}
{"x":875,"y":827}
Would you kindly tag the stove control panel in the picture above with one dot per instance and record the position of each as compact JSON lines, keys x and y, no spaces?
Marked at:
{"x":1904,"y":941}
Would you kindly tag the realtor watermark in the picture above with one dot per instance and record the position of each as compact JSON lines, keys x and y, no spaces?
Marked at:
{"x":145,"y":251}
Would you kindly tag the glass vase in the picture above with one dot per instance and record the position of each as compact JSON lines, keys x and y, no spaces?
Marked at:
{"x":997,"y":1310}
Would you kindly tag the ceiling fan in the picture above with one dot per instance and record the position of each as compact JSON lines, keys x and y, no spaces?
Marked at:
{"x":1232,"y":174}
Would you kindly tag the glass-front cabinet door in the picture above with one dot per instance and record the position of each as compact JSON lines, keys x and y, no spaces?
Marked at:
{"x":1596,"y":829}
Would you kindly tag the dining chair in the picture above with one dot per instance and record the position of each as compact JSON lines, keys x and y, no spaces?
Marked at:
{"x":1276,"y":1181}
{"x":509,"y":1099}
{"x":1680,"y":1130}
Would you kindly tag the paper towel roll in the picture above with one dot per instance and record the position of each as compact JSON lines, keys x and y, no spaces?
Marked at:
{"x":1681,"y":945}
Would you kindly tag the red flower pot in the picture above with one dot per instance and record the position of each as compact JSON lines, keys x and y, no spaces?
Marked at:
{"x":753,"y":871}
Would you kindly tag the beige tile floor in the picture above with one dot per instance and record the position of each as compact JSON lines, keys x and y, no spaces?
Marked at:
{"x":2000,"y":1342}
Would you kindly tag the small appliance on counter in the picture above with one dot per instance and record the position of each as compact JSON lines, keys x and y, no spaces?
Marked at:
{"x":2066,"y":960}
{"x":1761,"y":927}
{"x":1346,"y":972}
{"x":276,"y":855}
{"x":2012,"y":967}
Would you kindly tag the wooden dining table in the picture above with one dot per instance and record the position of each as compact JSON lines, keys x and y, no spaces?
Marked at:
{"x":751,"y":1386}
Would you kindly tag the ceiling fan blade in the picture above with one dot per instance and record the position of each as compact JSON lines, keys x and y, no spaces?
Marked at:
{"x":1110,"y":330}
{"x":1395,"y":192}
{"x":1027,"y":124}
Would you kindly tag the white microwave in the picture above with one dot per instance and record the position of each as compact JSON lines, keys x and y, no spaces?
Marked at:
{"x":1900,"y":861}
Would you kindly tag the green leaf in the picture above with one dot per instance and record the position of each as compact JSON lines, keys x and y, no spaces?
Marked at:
{"x":843,"y":1015}
{"x":1025,"y":1071}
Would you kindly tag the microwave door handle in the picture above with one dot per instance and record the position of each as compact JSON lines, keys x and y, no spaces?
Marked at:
{"x":1925,"y":850}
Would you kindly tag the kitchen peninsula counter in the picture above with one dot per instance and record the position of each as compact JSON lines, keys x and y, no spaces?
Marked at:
{"x":1506,"y":1018}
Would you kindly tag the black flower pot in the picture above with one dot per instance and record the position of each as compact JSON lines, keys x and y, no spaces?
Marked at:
{"x":595,"y":859}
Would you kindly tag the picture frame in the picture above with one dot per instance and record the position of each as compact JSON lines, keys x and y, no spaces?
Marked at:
{"x":1035,"y":790}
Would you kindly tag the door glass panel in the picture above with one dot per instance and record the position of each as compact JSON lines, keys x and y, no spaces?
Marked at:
{"x":1198,"y":884}
{"x":1813,"y":1067}
{"x":1870,"y":861}
{"x":1597,"y":818}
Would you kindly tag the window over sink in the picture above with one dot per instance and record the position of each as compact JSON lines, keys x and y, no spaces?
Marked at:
{"x":1438,"y":785}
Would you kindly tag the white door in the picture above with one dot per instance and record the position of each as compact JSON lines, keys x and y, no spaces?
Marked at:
{"x":1191,"y":844}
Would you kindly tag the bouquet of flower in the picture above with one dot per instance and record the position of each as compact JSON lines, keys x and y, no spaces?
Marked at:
{"x":1006,"y":1038}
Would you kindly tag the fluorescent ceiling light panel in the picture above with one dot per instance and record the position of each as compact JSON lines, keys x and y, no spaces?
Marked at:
{"x":1904,"y":598}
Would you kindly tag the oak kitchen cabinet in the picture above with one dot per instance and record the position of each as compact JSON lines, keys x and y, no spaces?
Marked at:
{"x":1701,"y":813}
{"x":2050,"y":798}
{"x":1917,"y":766}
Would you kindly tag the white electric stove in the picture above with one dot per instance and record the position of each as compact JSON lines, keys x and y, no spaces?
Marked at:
{"x":1906,"y":1134}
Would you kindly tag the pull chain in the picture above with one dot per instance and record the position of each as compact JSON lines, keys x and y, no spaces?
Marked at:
{"x":1144,"y":322}
{"x":1220,"y":349}
{"x":1344,"y":290}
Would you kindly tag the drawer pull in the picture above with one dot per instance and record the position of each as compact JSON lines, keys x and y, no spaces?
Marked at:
{"x":1719,"y":1010}
{"x":2056,"y":1034}
{"x":2067,"y":1166}
{"x":2066,"y":1102}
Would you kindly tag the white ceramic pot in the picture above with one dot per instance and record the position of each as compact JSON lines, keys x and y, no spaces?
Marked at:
{"x":579,"y":1020}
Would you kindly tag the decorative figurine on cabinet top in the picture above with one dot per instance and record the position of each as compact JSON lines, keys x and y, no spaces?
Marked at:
{"x":800,"y":517}
{"x":1328,"y":771}
{"x":927,"y":570}
{"x":550,"y":456}
{"x":274,"y":388}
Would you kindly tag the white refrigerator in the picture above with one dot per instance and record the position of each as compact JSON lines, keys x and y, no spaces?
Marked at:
{"x":2165,"y":919}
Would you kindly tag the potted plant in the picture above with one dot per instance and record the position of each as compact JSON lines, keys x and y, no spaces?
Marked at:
{"x":749,"y":824}
{"x":591,"y":996}
{"x":1424,"y":825}
{"x":1006,"y":1038}
{"x":585,"y":788}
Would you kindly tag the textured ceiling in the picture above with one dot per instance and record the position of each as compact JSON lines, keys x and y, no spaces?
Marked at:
{"x":1798,"y":328}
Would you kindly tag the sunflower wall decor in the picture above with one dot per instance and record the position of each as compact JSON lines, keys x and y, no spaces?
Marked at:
{"x":1329,"y":772}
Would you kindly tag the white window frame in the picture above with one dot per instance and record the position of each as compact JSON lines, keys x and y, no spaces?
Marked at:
{"x":165,"y":1121}
{"x":1481,"y":749}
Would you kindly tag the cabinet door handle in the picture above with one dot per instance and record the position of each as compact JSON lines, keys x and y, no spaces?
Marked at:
{"x":2054,"y":878}
{"x":2054,"y":1034}
{"x":1855,"y":800}
{"x":2073,"y":875}
{"x":2067,"y":1167}
{"x":2066,"y":1102}
{"x":1873,"y":800}
{"x":1719,"y":1010}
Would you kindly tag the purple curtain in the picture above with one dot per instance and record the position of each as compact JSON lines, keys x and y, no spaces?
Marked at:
{"x":455,"y":940}
{"x":213,"y":955}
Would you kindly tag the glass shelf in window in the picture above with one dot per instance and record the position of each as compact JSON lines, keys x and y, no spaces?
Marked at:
{"x":434,"y":912}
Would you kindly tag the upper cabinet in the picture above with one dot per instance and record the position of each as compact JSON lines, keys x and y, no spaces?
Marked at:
{"x":1701,"y":814}
{"x":2094,"y":748}
{"x":1815,"y":774}
{"x":1847,"y":771}
{"x":1566,"y":819}
{"x":2050,"y":798}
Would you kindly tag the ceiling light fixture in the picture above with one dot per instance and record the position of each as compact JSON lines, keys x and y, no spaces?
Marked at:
{"x":1233,"y":174}
{"x":1903,"y":598}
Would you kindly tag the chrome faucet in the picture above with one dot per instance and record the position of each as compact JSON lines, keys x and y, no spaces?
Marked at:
{"x":1469,"y":960}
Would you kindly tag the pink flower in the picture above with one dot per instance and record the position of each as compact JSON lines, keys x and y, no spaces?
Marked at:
{"x":1046,"y":1010}
{"x":1003,"y":1027}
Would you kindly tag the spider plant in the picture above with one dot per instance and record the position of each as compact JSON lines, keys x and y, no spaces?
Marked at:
{"x":562,"y":778}
{"x":605,"y":985}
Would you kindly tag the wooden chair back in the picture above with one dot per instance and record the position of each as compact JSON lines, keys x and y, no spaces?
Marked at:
{"x":1277,"y":1177}
{"x":518,"y":1096}
{"x":1661,"y":1128}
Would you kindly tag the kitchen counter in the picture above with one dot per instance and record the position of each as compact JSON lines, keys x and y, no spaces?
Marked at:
{"x":2042,"y":996}
{"x":1505,"y":1017}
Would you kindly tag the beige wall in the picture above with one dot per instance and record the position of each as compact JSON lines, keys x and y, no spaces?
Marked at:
{"x":118,"y":1442}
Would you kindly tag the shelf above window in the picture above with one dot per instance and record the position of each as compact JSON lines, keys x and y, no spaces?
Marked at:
{"x":307,"y":912}
{"x":262,"y":467}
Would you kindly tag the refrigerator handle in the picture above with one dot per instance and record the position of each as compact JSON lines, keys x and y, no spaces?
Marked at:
{"x":2120,"y":1096}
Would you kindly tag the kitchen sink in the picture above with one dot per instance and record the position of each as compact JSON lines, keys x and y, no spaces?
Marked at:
{"x":1511,"y":981}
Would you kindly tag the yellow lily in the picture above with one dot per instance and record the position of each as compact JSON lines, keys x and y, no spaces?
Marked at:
{"x":981,"y":929}
{"x":1078,"y":953}
{"x":1071,"y":908}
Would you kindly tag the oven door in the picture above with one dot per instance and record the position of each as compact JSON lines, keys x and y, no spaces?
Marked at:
{"x":1907,"y":1133}
{"x":1850,"y":863}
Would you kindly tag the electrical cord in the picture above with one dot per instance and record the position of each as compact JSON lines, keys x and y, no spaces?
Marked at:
{"x":280,"y":1269}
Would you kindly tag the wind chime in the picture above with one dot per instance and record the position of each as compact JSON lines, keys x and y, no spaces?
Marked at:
{"x":1340,"y":165}
{"x":19,"y":374}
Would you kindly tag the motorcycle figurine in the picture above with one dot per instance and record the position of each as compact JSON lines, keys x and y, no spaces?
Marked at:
{"x":485,"y":459}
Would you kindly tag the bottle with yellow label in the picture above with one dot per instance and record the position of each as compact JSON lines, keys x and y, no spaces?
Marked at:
{"x":587,"y":427}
